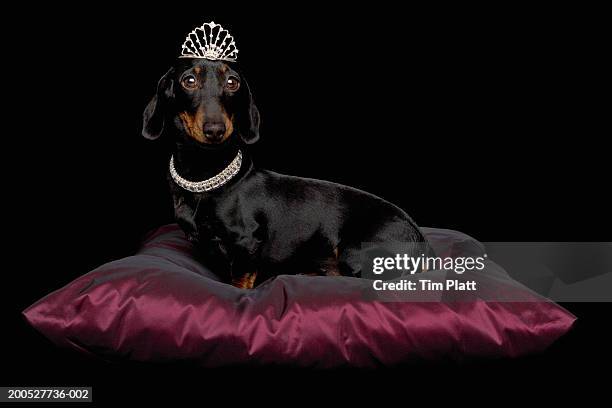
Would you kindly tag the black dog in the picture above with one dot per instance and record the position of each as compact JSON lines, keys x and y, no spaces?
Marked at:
{"x":259,"y":223}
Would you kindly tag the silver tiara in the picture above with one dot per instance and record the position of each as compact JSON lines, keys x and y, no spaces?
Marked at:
{"x":210,"y":41}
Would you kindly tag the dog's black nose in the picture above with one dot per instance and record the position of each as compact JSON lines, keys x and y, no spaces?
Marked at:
{"x":214,"y":131}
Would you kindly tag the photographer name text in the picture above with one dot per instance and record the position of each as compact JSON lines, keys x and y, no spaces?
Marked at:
{"x":426,"y":285}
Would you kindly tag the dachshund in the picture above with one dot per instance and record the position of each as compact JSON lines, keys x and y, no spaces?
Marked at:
{"x":255,"y":223}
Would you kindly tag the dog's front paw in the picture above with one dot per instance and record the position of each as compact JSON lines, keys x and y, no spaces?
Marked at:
{"x":246,"y":281}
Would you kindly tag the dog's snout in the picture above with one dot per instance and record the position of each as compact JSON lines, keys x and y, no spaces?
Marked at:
{"x":214,"y":131}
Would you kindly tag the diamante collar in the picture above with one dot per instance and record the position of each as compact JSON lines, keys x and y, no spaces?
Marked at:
{"x":209,"y":184}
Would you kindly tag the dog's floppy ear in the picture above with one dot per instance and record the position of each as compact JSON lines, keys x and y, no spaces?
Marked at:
{"x":250,"y":130}
{"x":154,"y":115}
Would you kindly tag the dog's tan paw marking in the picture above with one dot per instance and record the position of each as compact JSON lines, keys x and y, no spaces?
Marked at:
{"x":246,"y":281}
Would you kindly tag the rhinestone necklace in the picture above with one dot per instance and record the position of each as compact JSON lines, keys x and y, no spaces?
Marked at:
{"x":209,"y":184}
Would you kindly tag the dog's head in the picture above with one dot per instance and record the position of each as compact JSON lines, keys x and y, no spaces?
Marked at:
{"x":205,"y":101}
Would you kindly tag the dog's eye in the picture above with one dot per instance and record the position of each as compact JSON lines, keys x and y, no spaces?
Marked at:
{"x":189,"y":82}
{"x":232,"y":84}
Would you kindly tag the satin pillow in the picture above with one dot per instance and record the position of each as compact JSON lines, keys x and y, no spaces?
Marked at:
{"x":162,"y":305}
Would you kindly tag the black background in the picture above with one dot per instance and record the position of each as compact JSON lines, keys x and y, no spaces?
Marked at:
{"x":481,"y":120}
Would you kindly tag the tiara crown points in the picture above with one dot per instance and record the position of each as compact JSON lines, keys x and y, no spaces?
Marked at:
{"x":210,"y":41}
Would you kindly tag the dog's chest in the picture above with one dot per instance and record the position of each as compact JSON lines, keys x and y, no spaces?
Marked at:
{"x":195,"y":215}
{"x":211,"y":223}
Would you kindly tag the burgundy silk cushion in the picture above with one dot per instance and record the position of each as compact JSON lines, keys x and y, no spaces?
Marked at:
{"x":162,"y":305}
